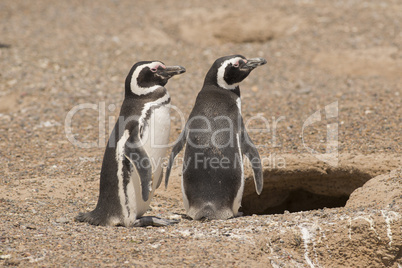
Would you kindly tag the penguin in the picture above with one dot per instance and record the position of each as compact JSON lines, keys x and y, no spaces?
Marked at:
{"x":132,"y":163}
{"x":216,"y":141}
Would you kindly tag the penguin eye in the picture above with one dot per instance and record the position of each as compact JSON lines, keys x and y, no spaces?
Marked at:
{"x":236,"y":65}
{"x":154,"y":70}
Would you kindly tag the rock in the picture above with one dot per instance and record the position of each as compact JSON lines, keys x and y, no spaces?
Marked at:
{"x":5,"y":257}
{"x":62,"y":220}
{"x":381,"y":192}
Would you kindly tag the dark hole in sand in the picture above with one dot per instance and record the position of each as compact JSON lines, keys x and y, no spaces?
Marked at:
{"x":4,"y":45}
{"x":301,"y":200}
{"x":297,"y":190}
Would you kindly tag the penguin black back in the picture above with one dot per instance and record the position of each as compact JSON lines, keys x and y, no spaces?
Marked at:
{"x":216,"y":140}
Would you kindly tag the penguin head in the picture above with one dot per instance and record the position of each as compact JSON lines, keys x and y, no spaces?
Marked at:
{"x":146,"y":76}
{"x":227,"y":72}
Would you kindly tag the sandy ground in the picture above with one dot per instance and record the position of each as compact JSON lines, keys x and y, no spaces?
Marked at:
{"x":321,"y":54}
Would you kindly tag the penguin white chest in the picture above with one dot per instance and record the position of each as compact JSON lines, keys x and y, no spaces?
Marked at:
{"x":156,"y":133}
{"x":155,"y":138}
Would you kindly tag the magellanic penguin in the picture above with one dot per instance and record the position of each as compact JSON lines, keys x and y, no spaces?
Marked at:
{"x":132,"y":163}
{"x":216,"y":140}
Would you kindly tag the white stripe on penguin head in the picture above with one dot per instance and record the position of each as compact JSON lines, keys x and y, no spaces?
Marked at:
{"x":137,"y":89}
{"x":221,"y":74}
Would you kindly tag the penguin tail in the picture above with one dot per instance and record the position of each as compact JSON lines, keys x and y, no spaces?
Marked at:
{"x":207,"y":212}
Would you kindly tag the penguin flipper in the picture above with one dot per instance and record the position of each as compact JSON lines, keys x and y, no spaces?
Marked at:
{"x":153,"y":221}
{"x":250,"y":151}
{"x":159,"y":180}
{"x":137,"y":158}
{"x":176,"y":149}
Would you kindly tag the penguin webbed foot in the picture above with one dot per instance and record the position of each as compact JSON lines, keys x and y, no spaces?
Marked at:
{"x":238,"y":214}
{"x":90,"y":218}
{"x":154,"y":221}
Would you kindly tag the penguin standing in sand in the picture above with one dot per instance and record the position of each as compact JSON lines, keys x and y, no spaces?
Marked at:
{"x":216,"y":140}
{"x":132,"y":163}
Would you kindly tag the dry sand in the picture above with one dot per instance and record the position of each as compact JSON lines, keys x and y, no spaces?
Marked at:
{"x":55,"y":55}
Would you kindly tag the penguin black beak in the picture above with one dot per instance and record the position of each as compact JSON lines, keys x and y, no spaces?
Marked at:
{"x":253,"y":63}
{"x":170,"y":71}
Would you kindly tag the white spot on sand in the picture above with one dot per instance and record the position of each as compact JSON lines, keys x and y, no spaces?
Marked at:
{"x":389,"y":217}
{"x":306,"y":239}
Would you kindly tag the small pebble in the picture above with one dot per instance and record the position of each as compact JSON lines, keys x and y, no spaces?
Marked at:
{"x":5,"y":257}
{"x":62,"y":220}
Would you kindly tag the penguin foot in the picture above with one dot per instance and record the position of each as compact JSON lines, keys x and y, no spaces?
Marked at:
{"x":153,"y":221}
{"x":239,"y":214}
{"x":94,"y":219}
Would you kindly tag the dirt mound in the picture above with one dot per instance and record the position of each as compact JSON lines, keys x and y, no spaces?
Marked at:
{"x":384,"y":191}
{"x":203,"y":26}
{"x":377,"y":61}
